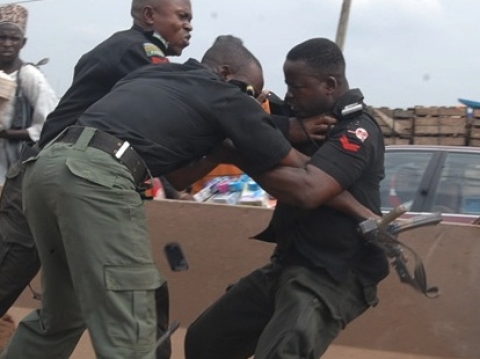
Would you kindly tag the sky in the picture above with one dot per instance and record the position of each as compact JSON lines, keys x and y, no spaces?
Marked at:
{"x":400,"y":53}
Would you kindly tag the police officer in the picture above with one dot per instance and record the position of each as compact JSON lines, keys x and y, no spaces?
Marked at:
{"x":160,"y":28}
{"x":91,"y":235}
{"x":82,"y":203}
{"x":322,"y":275}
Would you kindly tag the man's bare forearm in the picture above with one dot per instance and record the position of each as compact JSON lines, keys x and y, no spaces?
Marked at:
{"x":346,"y":203}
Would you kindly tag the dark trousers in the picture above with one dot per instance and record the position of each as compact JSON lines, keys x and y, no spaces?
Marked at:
{"x":19,"y":262}
{"x":13,"y":278}
{"x":278,"y":313}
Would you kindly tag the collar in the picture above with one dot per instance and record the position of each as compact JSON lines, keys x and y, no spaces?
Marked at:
{"x":153,"y":36}
{"x":351,"y":102}
{"x":159,"y":37}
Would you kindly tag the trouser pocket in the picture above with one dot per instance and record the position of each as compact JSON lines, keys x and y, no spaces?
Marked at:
{"x":132,"y":312}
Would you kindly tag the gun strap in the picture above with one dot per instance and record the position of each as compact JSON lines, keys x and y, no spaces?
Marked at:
{"x":418,"y":281}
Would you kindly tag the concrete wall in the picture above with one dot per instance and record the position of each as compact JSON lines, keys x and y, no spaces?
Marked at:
{"x":216,"y":244}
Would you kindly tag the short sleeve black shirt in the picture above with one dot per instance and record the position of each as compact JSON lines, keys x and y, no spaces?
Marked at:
{"x":353,"y":155}
{"x":175,"y":113}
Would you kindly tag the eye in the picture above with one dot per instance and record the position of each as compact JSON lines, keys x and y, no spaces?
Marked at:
{"x":185,"y":16}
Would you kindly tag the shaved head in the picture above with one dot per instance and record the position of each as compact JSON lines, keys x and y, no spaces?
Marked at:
{"x":139,"y":5}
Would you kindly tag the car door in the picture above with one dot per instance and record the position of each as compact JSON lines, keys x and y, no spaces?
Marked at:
{"x":408,"y":178}
{"x":458,"y":189}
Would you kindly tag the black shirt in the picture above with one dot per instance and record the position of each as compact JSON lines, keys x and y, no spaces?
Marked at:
{"x":98,"y":71}
{"x":354,"y":156}
{"x":175,"y":113}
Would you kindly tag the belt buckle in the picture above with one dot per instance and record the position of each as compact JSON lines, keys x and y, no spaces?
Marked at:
{"x":119,"y":153}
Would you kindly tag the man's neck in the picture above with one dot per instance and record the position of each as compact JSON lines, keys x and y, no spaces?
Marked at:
{"x":10,"y":66}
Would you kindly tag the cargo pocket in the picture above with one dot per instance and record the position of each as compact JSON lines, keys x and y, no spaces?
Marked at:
{"x":130,"y":290}
{"x":92,"y":171}
{"x":13,"y":184}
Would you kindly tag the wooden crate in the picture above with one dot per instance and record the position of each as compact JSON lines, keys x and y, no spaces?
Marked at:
{"x":475,"y":132}
{"x":440,"y":125}
{"x":439,"y":140}
{"x":396,"y":141}
{"x":403,"y":114}
{"x":453,"y":125}
{"x":452,"y":141}
{"x":385,"y":110}
{"x":387,"y":131}
{"x":427,"y":125}
{"x":451,"y":111}
{"x":475,"y":142}
{"x":391,"y":126}
{"x":420,"y":111}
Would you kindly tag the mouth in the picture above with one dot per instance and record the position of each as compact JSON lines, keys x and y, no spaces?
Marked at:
{"x":293,"y":107}
{"x":186,"y":40}
{"x":298,"y":112}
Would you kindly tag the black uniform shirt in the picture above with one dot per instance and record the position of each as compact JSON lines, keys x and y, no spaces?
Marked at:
{"x":324,"y":237}
{"x":175,"y":113}
{"x":98,"y":71}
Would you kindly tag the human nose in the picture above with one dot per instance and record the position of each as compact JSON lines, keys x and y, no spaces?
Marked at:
{"x":188,"y":26}
{"x":7,"y":42}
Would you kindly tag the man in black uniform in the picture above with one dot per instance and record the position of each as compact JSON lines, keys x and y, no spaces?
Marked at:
{"x":91,"y":235}
{"x":161,"y":27}
{"x":323,"y":274}
{"x":82,"y":203}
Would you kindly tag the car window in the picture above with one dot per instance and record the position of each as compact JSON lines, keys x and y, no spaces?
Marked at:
{"x":403,"y":174}
{"x":459,"y":185}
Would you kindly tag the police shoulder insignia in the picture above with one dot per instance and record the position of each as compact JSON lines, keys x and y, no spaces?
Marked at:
{"x":152,"y":50}
{"x":352,"y":139}
{"x":348,"y":144}
{"x":361,"y":134}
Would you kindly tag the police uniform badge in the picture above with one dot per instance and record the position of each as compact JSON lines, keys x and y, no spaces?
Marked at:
{"x":352,"y":140}
{"x":154,"y":53}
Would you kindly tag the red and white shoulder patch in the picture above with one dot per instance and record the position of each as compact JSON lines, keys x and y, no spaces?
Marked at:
{"x":154,"y":53}
{"x":361,"y":134}
{"x":348,"y":145}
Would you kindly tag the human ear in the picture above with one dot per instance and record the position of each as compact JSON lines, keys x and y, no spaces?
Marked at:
{"x":147,"y":14}
{"x":226,"y":71}
{"x":331,"y":84}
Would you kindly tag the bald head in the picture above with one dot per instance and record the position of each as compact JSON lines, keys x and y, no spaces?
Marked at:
{"x":139,"y":5}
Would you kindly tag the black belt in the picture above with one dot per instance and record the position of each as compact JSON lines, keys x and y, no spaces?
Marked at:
{"x":119,"y":149}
